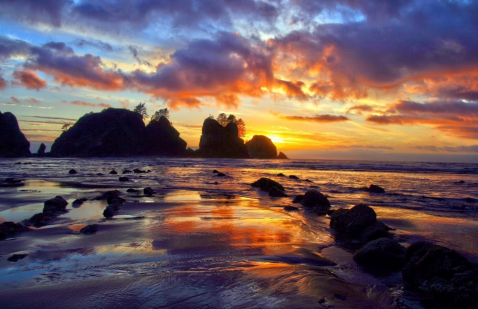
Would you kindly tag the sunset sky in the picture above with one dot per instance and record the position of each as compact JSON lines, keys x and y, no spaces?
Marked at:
{"x":343,"y":79}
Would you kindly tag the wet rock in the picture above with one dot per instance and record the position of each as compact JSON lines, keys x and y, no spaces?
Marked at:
{"x":127,"y":171}
{"x":298,"y":198}
{"x":12,"y":141}
{"x":148,"y":191}
{"x":293,"y":177}
{"x":471,"y":200}
{"x":276,"y":192}
{"x":18,"y":163}
{"x":265,"y":184}
{"x":131,"y":190}
{"x":442,"y":272}
{"x":215,"y":171}
{"x":109,"y":212}
{"x":261,"y":147}
{"x":78,"y":202}
{"x":221,"y":174}
{"x":315,"y":199}
{"x":12,"y":182}
{"x":115,"y":202}
{"x":461,"y":181}
{"x":139,"y":171}
{"x":291,"y":208}
{"x":281,"y":175}
{"x":99,"y":174}
{"x":9,"y":229}
{"x":38,"y":220}
{"x":308,"y":180}
{"x":16,"y":257}
{"x":113,"y":172}
{"x":41,"y":150}
{"x":359,"y":222}
{"x":123,"y":179}
{"x":108,"y":195}
{"x":383,"y":254}
{"x":375,"y":189}
{"x":282,"y":156}
{"x":55,"y":205}
{"x":72,"y":172}
{"x":89,"y":229}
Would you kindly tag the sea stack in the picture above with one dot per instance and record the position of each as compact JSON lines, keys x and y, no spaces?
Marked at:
{"x":261,"y":147}
{"x":12,"y":141}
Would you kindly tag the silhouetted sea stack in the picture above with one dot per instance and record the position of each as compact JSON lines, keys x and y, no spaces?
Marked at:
{"x":220,"y":142}
{"x":117,"y":133}
{"x":261,"y":147}
{"x":12,"y":141}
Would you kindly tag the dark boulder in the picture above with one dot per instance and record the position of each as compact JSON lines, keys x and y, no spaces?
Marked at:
{"x":12,"y":141}
{"x":293,"y":177}
{"x":215,"y":171}
{"x":123,"y":179}
{"x":383,"y":254}
{"x":16,"y":257}
{"x":221,"y":174}
{"x":108,"y":195}
{"x":261,"y":147}
{"x":162,"y":139}
{"x":55,"y":206}
{"x":127,"y":171}
{"x":139,"y":171}
{"x":281,"y":175}
{"x":38,"y":220}
{"x":89,"y":229}
{"x":282,"y":156}
{"x":291,"y":208}
{"x":109,"y":212}
{"x":12,"y":182}
{"x":442,"y":272}
{"x":132,"y":190}
{"x":359,"y":222}
{"x":375,"y":189}
{"x":78,"y":202}
{"x":9,"y":229}
{"x":265,"y":184}
{"x":315,"y":199}
{"x":276,"y":192}
{"x":112,"y":132}
{"x":72,"y":172}
{"x":113,"y":172}
{"x":298,"y":198}
{"x":148,"y":191}
{"x":41,"y":150}
{"x":220,"y":142}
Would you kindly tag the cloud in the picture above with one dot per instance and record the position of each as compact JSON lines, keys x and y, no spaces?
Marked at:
{"x":94,"y":43}
{"x":82,"y":103}
{"x":14,"y":99}
{"x":51,"y":118}
{"x":135,"y":51}
{"x":325,"y":118}
{"x":3,"y":83}
{"x":29,"y":80}
{"x":292,"y":89}
{"x":359,"y":109}
{"x":33,"y":11}
{"x":455,"y":149}
{"x":33,"y":101}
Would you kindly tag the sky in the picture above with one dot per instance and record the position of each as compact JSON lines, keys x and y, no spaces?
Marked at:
{"x":332,"y":79}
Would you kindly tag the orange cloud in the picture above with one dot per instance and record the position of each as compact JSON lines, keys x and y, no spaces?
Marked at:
{"x":29,"y":80}
{"x":82,"y":103}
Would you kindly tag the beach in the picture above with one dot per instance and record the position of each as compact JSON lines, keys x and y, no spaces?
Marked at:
{"x":205,"y":241}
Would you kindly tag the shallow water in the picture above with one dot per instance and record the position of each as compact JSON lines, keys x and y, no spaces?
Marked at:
{"x":215,"y":242}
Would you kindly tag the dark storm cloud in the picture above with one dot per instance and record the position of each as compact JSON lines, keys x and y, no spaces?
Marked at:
{"x":94,"y":43}
{"x":34,"y":11}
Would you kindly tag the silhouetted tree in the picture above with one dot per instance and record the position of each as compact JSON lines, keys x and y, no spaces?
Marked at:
{"x":141,"y":109}
{"x":164,"y":112}
{"x":222,"y":119}
{"x":241,"y":128}
{"x":66,"y":126}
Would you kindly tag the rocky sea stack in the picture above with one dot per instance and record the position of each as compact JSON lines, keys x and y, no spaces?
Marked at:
{"x":116,"y":133}
{"x":12,"y":141}
{"x":220,"y":142}
{"x":261,"y":147}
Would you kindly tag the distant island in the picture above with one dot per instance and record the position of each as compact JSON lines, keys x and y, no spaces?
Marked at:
{"x":116,"y":132}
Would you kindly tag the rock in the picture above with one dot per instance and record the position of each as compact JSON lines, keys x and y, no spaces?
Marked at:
{"x":38,"y":220}
{"x":115,"y":202}
{"x":108,"y":195}
{"x":9,"y":229}
{"x":139,"y":171}
{"x":282,"y":156}
{"x":359,"y":222}
{"x":265,"y":184}
{"x":293,"y":177}
{"x":221,"y":174}
{"x":55,"y":206}
{"x":113,"y":172}
{"x":276,"y":192}
{"x":12,"y":141}
{"x":281,"y":175}
{"x":298,"y":198}
{"x":89,"y":229}
{"x":123,"y":179}
{"x":162,"y":139}
{"x":442,"y":272}
{"x":127,"y":171}
{"x":308,"y":180}
{"x":461,"y":181}
{"x":375,"y":189}
{"x":109,"y":212}
{"x":72,"y":171}
{"x":78,"y":202}
{"x":383,"y":254}
{"x":41,"y":150}
{"x":148,"y":191}
{"x":471,"y":200}
{"x":131,"y":190}
{"x":12,"y":182}
{"x":220,"y":142}
{"x":291,"y":208}
{"x":261,"y":147}
{"x":215,"y":171}
{"x":315,"y":199}
{"x":16,"y":257}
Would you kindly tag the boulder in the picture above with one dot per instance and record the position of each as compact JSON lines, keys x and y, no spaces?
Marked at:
{"x":215,"y":171}
{"x":162,"y":139}
{"x":89,"y":229}
{"x":148,"y":191}
{"x":375,"y":189}
{"x":139,"y":171}
{"x":221,"y":174}
{"x":123,"y":179}
{"x":132,"y":190}
{"x":9,"y":229}
{"x":291,"y":208}
{"x":293,"y":177}
{"x":109,"y":195}
{"x":55,"y":206}
{"x":78,"y":202}
{"x":72,"y":172}
{"x":38,"y":220}
{"x":220,"y":142}
{"x":41,"y":150}
{"x":261,"y":147}
{"x":12,"y":182}
{"x":113,"y":172}
{"x":12,"y":141}
{"x":282,"y":156}
{"x":109,"y":212}
{"x":315,"y":199}
{"x":442,"y":272}
{"x":127,"y":171}
{"x":383,"y":254}
{"x":276,"y":192}
{"x":265,"y":184}
{"x":281,"y":175}
{"x":298,"y":198}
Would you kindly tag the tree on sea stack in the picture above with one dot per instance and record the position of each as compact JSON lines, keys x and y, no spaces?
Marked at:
{"x":141,"y":109}
{"x":224,"y":120}
{"x":164,"y":112}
